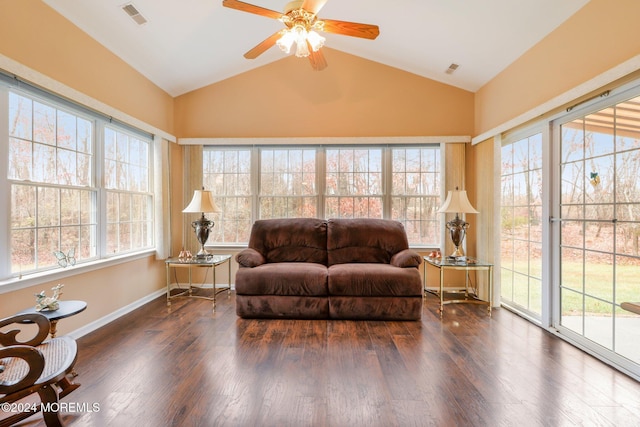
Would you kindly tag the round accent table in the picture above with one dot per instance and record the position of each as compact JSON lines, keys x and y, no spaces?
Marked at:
{"x":66,"y":309}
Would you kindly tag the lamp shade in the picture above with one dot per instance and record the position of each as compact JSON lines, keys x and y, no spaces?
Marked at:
{"x":202,"y":201}
{"x":457,"y":202}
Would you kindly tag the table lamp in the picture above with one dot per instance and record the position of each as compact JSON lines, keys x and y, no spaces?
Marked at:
{"x":202,"y":202}
{"x":457,"y":202}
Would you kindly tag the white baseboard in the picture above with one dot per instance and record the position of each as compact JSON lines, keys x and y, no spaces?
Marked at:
{"x":96,"y":324}
{"x":116,"y":314}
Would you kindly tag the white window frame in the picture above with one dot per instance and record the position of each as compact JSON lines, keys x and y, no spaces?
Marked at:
{"x":11,"y":281}
{"x":386,"y":195}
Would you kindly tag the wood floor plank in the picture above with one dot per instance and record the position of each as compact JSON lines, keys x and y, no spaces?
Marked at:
{"x":189,"y":366}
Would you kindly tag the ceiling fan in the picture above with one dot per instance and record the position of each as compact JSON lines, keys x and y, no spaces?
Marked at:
{"x":302,"y":26}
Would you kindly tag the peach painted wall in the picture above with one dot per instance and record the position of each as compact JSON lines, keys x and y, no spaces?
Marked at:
{"x":34,"y":35}
{"x":105,"y":291}
{"x":351,"y":97}
{"x":601,"y":35}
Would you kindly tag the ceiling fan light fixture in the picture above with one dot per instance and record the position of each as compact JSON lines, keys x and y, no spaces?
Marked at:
{"x":315,"y":40}
{"x":286,"y":41}
{"x":302,"y":48}
{"x":303,"y":39}
{"x":302,"y":28}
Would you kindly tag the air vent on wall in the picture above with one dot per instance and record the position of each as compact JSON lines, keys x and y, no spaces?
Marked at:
{"x":134,"y":13}
{"x":452,"y":68}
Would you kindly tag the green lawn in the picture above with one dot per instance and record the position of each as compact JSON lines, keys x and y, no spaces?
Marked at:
{"x":595,"y":281}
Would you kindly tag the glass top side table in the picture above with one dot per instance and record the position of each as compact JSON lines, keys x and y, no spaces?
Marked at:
{"x":211,"y":262}
{"x":470,"y":292}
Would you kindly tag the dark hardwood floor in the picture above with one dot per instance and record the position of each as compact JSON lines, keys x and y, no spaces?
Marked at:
{"x":189,"y":367}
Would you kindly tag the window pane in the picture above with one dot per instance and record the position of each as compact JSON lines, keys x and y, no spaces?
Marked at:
{"x":20,"y":159}
{"x":48,"y":206}
{"x":127,"y":172}
{"x":66,"y":135}
{"x":227,"y":174}
{"x":521,"y":224}
{"x":288,"y":176}
{"x":44,"y":127}
{"x":20,"y":116}
{"x":23,"y":255}
{"x":416,"y":193}
{"x":44,"y":164}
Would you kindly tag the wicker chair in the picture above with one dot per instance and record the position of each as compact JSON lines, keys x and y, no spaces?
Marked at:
{"x":48,"y":364}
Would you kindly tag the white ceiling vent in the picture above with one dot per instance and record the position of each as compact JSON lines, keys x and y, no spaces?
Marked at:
{"x":134,"y":13}
{"x":452,"y":68}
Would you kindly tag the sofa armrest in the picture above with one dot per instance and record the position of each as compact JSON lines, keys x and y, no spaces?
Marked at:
{"x":250,"y":258}
{"x":406,"y":258}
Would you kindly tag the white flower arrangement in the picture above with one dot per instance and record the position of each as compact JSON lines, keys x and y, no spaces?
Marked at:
{"x":45,"y":303}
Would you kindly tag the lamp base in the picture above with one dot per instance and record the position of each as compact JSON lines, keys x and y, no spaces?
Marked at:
{"x":457,"y":229}
{"x":457,"y":253}
{"x":202,"y":227}
{"x":202,"y":253}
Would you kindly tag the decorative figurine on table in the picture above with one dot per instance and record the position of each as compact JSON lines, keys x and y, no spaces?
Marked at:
{"x":45,"y":303}
{"x":185,"y":254}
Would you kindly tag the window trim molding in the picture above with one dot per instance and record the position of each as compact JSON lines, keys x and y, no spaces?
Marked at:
{"x":48,"y":276}
{"x":329,"y":140}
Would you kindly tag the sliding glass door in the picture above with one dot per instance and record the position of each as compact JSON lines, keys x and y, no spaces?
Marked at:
{"x":521,"y":225}
{"x":598,"y":229}
{"x":570,"y":226}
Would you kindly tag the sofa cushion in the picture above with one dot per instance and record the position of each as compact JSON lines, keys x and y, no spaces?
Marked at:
{"x":290,"y":240}
{"x":364,"y":240}
{"x":283,"y":278}
{"x":373,"y":279}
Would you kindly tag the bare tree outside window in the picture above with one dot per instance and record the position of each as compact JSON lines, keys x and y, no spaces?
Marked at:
{"x":50,"y":171}
{"x":127,"y":171}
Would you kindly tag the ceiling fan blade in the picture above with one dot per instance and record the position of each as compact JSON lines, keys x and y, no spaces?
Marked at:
{"x":353,"y":29}
{"x":263,"y":46}
{"x":313,"y":6}
{"x":246,"y":7}
{"x":318,"y":62}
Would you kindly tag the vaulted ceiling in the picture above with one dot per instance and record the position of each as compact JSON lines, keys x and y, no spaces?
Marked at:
{"x":188,"y":44}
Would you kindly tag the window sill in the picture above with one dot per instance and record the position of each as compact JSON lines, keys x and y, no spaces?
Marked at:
{"x":33,"y":279}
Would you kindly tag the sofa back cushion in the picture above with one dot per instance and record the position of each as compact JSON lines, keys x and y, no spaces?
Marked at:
{"x":364,"y":240}
{"x":290,"y":239}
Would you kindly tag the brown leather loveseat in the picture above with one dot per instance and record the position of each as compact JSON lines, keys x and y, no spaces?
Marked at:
{"x":310,"y":268}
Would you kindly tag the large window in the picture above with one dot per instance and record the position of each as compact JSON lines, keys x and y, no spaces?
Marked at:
{"x":56,"y":196}
{"x":401,"y":183}
{"x":127,"y":178}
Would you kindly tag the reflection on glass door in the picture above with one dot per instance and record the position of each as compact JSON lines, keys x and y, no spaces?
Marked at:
{"x":521,"y":226}
{"x":600,"y":229}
